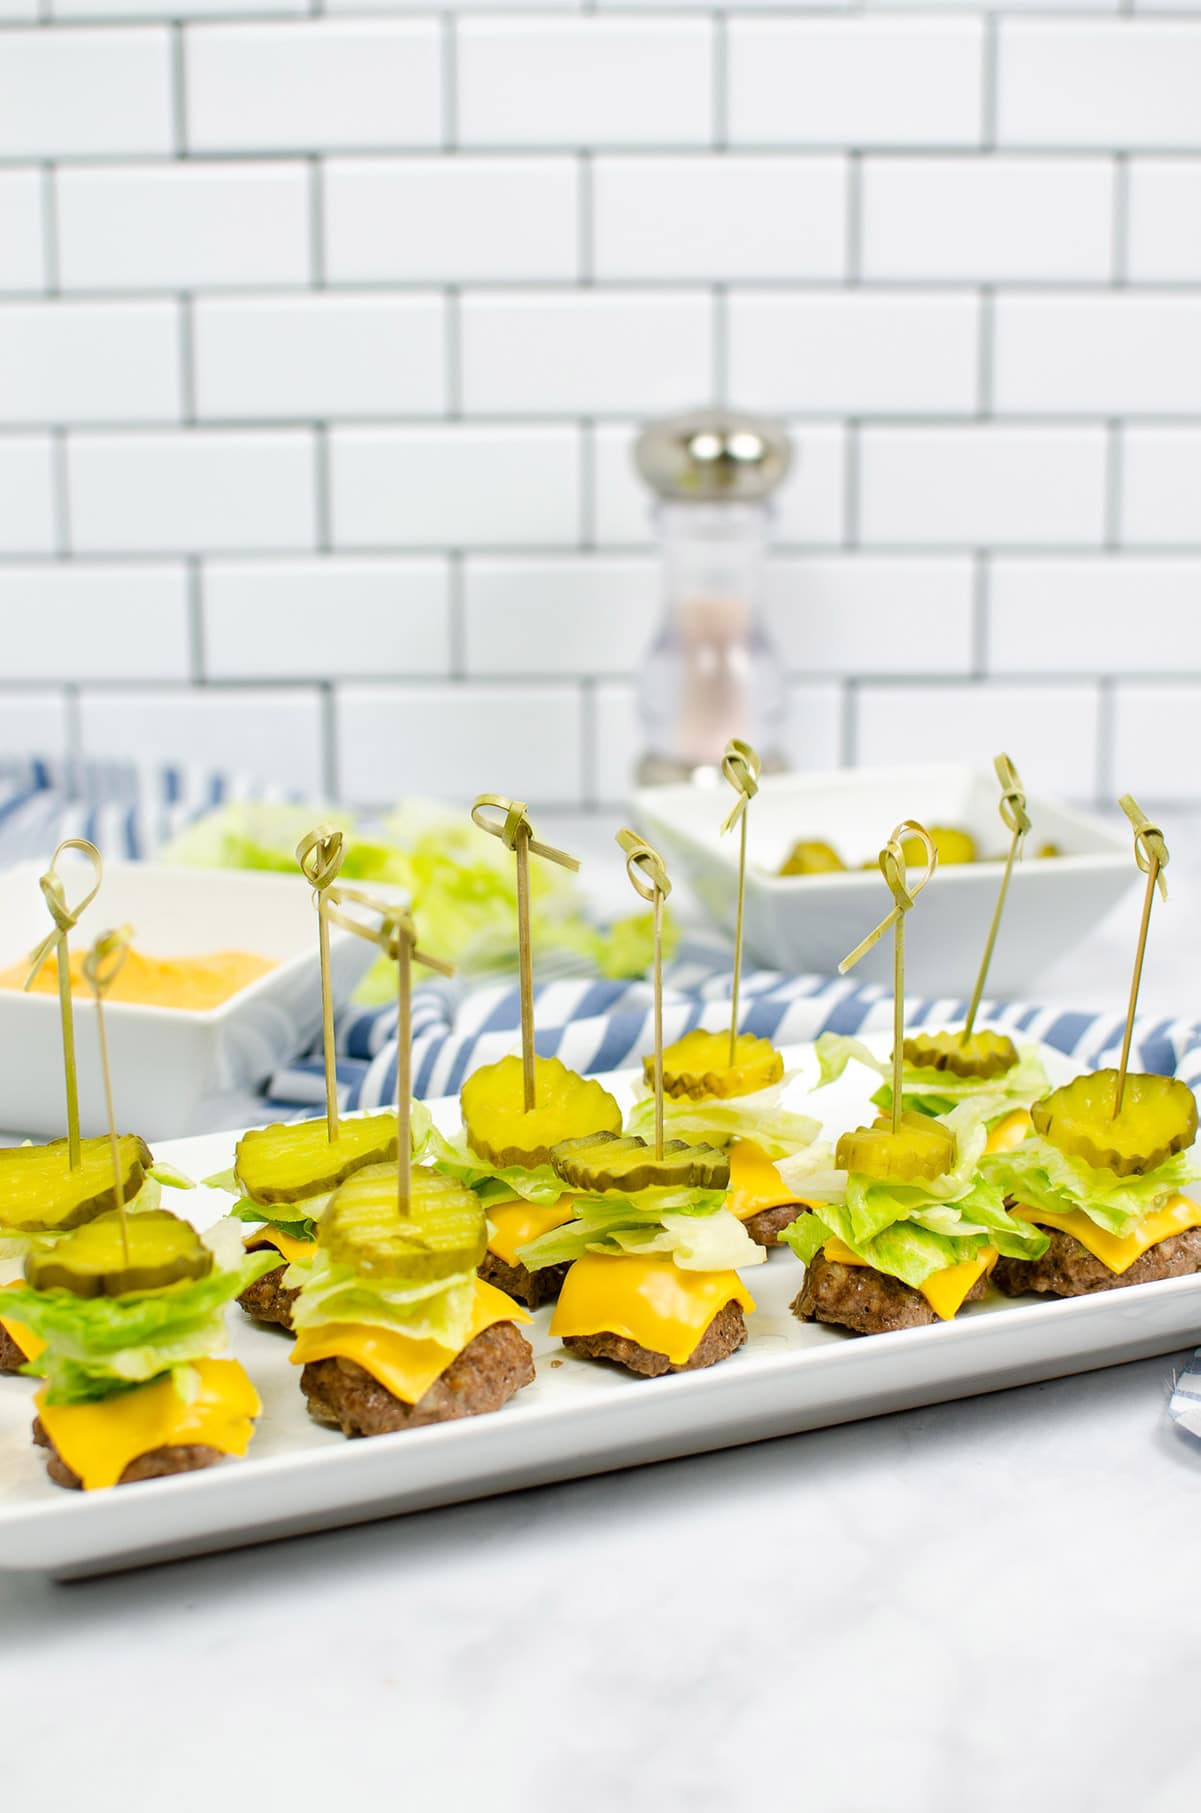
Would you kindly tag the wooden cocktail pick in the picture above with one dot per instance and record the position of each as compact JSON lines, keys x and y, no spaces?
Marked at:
{"x":648,"y":878}
{"x":65,"y":918}
{"x":1016,"y":820}
{"x":321,"y":855}
{"x":509,"y":820}
{"x":1151,"y":855}
{"x":396,"y":935}
{"x":741,"y":767}
{"x":101,"y":967}
{"x":892,"y":867}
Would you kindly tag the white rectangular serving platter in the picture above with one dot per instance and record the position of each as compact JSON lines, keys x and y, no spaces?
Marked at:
{"x":579,"y":1417}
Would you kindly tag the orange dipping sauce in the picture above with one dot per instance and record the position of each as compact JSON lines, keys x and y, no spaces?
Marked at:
{"x":194,"y":983}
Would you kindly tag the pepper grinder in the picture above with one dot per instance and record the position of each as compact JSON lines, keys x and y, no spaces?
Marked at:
{"x":712,"y":672}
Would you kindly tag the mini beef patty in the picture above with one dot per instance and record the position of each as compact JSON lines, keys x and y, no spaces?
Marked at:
{"x":856,"y":1297}
{"x":531,"y":1288}
{"x":157,"y":1463}
{"x":482,"y":1378}
{"x":766,"y":1227}
{"x":724,"y":1335}
{"x":268,"y":1299}
{"x":1068,"y":1269}
{"x":11,"y":1357}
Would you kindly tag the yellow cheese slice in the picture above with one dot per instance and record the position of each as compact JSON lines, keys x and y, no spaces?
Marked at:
{"x":287,"y":1246}
{"x":517,"y":1223}
{"x":1010,"y":1131}
{"x":944,"y":1291}
{"x":98,"y":1441}
{"x":1118,"y":1252}
{"x":755,"y":1183}
{"x":405,"y":1367}
{"x":651,"y":1301}
{"x":31,"y":1345}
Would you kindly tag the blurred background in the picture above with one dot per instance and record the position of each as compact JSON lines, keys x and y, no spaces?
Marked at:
{"x":323,"y":343}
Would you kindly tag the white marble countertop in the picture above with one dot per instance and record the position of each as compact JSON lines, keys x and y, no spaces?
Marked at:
{"x":965,"y":1608}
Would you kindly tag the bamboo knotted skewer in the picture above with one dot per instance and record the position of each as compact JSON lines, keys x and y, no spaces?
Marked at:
{"x":1016,"y":820}
{"x":648,"y":877}
{"x":741,"y":767}
{"x":321,"y":855}
{"x":1151,"y":855}
{"x":101,"y":967}
{"x":65,"y":918}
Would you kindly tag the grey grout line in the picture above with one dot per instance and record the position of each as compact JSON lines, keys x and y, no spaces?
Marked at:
{"x":1114,"y":473}
{"x":316,"y":221}
{"x":51,"y":261}
{"x":1121,"y":218}
{"x":453,"y":328}
{"x":721,"y":82}
{"x":60,"y":493}
{"x":456,"y":598}
{"x":851,"y":475}
{"x":981,"y":585}
{"x":589,"y":751}
{"x":720,"y":316}
{"x":179,"y":90}
{"x":586,"y":220}
{"x":1086,"y":290}
{"x":985,"y":370}
{"x":323,"y":509}
{"x":187,"y":360}
{"x":1106,"y":725}
{"x":588,"y":500}
{"x":990,"y":97}
{"x":854,"y":221}
{"x":450,"y":81}
{"x":197,"y":655}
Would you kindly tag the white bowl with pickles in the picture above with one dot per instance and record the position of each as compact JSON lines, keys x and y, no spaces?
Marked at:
{"x":1074,"y":869}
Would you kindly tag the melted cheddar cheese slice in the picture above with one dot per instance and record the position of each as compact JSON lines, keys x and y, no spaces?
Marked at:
{"x":755,"y":1183}
{"x":31,"y":1345}
{"x":1010,"y":1131}
{"x":944,"y":1291}
{"x":403,"y":1366}
{"x":651,"y":1301}
{"x":289,"y":1248}
{"x":1118,"y":1252}
{"x":98,"y":1441}
{"x":518,"y":1222}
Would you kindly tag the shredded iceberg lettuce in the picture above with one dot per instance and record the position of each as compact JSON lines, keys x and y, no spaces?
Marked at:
{"x":1039,"y":1173}
{"x":776,"y":1131}
{"x":693,"y":1226}
{"x":936,"y":1092}
{"x":433,"y":1310}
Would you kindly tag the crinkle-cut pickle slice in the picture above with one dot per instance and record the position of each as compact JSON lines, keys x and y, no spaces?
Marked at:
{"x":286,"y":1163}
{"x":162,"y":1249}
{"x":812,"y":857}
{"x":952,"y":846}
{"x":985,"y":1054}
{"x":39,"y":1192}
{"x":1158,"y":1118}
{"x":444,"y":1232}
{"x":698,"y":1066}
{"x":920,"y":1151}
{"x":604,"y":1163}
{"x":568,"y":1107}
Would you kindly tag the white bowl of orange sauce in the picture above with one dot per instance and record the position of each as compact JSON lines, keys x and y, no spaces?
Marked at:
{"x":220,"y":988}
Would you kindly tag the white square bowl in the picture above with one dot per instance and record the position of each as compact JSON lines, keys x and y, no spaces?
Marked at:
{"x":808,"y":923}
{"x":167,"y":1061}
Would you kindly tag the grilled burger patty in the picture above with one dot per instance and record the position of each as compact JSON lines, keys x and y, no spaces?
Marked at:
{"x":481,"y":1378}
{"x":269,"y":1300}
{"x":1068,"y":1269}
{"x":856,"y":1297}
{"x":724,"y":1335}
{"x":766,"y":1227}
{"x":11,"y":1357}
{"x":531,"y":1288}
{"x":157,"y":1463}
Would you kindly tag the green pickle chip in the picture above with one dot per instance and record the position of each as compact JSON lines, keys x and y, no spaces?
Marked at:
{"x":920,"y":1151}
{"x":1158,"y":1119}
{"x":287,"y":1163}
{"x":41,"y":1194}
{"x":504,"y":1132}
{"x":98,"y":1260}
{"x":606,"y":1163}
{"x":445,"y":1231}
{"x":984,"y":1055}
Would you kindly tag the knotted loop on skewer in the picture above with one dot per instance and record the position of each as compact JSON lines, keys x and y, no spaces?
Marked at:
{"x":1014,"y":815}
{"x":106,"y":959}
{"x":740,"y":765}
{"x":1150,"y":850}
{"x":895,"y":872}
{"x":644,"y":866}
{"x":65,"y":916}
{"x":321,"y":855}
{"x":395,"y":926}
{"x":505,"y":818}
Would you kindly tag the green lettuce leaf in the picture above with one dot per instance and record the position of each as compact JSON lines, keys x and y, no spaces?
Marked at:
{"x":1039,"y":1173}
{"x":491,"y":1185}
{"x":98,"y":1345}
{"x":936,"y":1092}
{"x":701,"y":1237}
{"x":296,"y":1225}
{"x":435,"y":1310}
{"x":758,"y":1117}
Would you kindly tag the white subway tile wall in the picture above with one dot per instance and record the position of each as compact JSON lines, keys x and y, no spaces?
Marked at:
{"x":324,"y":339}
